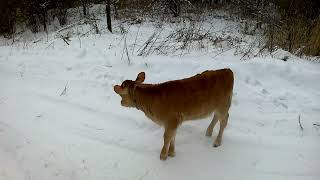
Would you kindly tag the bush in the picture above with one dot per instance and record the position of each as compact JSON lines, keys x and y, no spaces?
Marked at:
{"x":8,"y":17}
{"x":293,"y":25}
{"x":313,"y":40}
{"x":297,"y":31}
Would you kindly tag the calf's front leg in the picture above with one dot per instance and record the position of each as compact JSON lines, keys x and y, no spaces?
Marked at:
{"x":168,"y":141}
{"x":172,"y":152}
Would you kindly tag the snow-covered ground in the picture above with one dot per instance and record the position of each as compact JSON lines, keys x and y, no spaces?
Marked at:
{"x":85,"y":133}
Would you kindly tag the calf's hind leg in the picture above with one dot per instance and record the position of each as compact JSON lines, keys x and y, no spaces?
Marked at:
{"x":172,"y":152}
{"x":211,"y":125}
{"x":223,"y":123}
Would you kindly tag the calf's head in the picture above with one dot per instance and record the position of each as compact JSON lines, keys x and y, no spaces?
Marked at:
{"x":126,"y":87}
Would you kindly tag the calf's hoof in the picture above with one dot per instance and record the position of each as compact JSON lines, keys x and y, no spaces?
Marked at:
{"x":217,"y":143}
{"x":208,"y":133}
{"x":172,"y":154}
{"x":163,"y":157}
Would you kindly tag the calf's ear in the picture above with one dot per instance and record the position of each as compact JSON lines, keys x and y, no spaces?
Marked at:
{"x":118,"y":89}
{"x":140,"y":78}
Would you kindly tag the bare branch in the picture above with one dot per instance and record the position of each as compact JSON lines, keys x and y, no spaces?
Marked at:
{"x":300,"y":124}
{"x":135,"y":41}
{"x":65,"y":40}
{"x":64,"y":92}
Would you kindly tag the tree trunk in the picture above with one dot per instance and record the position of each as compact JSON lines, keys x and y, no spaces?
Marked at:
{"x":44,"y":19}
{"x":174,"y":6}
{"x":115,"y":9}
{"x":84,"y":7}
{"x":108,"y":15}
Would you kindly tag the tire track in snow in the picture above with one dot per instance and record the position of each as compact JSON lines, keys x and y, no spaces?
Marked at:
{"x":100,"y":133}
{"x":289,"y":174}
{"x":102,"y":115}
{"x":120,"y":143}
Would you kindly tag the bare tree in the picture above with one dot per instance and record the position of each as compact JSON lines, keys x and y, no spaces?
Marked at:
{"x":84,"y":6}
{"x":108,"y":3}
{"x":174,"y":6}
{"x":44,"y":14}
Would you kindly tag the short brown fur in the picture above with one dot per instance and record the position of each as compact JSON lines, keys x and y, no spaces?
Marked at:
{"x":173,"y":102}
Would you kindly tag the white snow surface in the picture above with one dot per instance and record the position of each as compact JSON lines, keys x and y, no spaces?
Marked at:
{"x":86,"y":134}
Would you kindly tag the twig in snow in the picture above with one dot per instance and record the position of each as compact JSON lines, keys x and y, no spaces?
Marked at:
{"x":50,"y":45}
{"x":78,"y":36}
{"x":124,"y":32}
{"x":188,"y":2}
{"x":152,"y":45}
{"x":145,"y":174}
{"x":92,"y":127}
{"x":84,"y":34}
{"x":81,"y":21}
{"x":300,"y":124}
{"x":65,"y":39}
{"x":125,"y":47}
{"x":64,"y":90}
{"x":36,"y":40}
{"x":223,"y":51}
{"x":134,"y":44}
{"x":146,"y":44}
{"x":129,"y":61}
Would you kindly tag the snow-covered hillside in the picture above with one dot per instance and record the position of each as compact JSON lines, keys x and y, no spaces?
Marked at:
{"x":84,"y":133}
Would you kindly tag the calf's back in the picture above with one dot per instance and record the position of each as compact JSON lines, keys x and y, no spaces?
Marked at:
{"x":190,"y":98}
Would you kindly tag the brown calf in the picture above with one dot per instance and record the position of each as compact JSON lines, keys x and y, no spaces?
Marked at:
{"x":170,"y":103}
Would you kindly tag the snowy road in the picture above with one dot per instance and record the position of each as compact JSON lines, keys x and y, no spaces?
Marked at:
{"x":86,"y":134}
